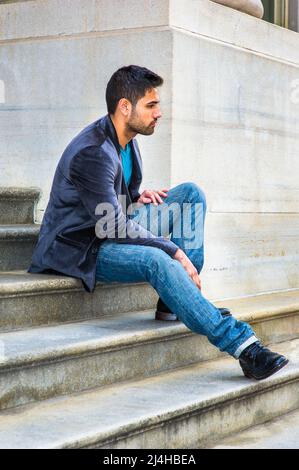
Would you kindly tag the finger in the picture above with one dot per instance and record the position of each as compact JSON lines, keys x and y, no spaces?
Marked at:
{"x":158,"y":198}
{"x":197,"y":282}
{"x":194,"y":271}
{"x":146,"y":200}
{"x":154,"y":200}
{"x":194,"y":279}
{"x":162,"y":193}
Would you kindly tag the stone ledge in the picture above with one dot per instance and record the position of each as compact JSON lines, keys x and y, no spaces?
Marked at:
{"x":30,"y":300}
{"x":34,"y":21}
{"x":67,"y":17}
{"x":279,"y":433}
{"x":251,"y":7}
{"x":20,"y":283}
{"x":21,"y":194}
{"x":137,"y":346}
{"x":212,"y":21}
{"x":19,"y":232}
{"x":141,"y":413}
{"x":128,"y":329}
{"x":17,"y":205}
{"x":50,"y":344}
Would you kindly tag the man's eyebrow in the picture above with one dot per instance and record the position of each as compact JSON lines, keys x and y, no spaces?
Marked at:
{"x":153,"y":102}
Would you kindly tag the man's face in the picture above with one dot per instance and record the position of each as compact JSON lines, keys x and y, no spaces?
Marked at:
{"x":144,"y":116}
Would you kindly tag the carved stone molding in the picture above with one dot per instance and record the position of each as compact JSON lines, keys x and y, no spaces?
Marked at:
{"x":252,"y":7}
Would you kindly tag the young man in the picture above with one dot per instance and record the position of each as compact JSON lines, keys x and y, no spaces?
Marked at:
{"x":87,"y":234}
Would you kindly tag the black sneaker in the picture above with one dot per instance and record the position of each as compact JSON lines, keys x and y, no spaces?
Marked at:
{"x":258,"y":362}
{"x":163,"y":313}
{"x":225,"y":312}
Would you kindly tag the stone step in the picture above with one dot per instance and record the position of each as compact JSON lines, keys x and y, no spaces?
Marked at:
{"x":176,"y":409}
{"x":278,"y":433}
{"x":40,"y":363}
{"x":17,"y":205}
{"x":30,"y":300}
{"x":16,"y":245}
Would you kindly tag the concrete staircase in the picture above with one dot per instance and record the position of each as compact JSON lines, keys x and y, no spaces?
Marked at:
{"x":96,"y":370}
{"x":279,"y":433}
{"x":18,"y":233}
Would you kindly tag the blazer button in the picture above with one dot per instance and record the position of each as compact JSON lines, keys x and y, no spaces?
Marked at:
{"x":94,"y":250}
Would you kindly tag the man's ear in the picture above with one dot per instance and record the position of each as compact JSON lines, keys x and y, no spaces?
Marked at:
{"x":124,"y":106}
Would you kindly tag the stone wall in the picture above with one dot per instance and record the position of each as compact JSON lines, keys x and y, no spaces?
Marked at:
{"x":230,"y":117}
{"x":251,"y":7}
{"x":240,"y":124}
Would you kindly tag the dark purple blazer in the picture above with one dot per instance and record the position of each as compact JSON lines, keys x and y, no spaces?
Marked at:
{"x":88,"y":173}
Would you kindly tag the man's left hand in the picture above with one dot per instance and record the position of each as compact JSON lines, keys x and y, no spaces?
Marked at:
{"x":150,"y":195}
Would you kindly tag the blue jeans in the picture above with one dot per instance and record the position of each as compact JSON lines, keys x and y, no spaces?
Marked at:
{"x":137,"y":263}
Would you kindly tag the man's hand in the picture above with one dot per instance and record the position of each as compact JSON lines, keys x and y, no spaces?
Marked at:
{"x":150,"y":195}
{"x":188,"y":266}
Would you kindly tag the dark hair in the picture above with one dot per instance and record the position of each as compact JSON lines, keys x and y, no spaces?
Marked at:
{"x":130,"y":82}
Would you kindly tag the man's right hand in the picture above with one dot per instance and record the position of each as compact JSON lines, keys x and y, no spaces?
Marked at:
{"x":188,"y":266}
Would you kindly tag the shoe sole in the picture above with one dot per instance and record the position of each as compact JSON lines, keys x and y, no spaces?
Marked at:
{"x":267,"y":374}
{"x":164,"y":316}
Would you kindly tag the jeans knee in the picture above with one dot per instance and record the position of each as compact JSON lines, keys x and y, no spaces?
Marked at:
{"x":195,"y":192}
{"x":157,"y":261}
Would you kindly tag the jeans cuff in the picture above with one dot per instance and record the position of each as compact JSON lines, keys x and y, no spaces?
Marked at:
{"x":243,"y":346}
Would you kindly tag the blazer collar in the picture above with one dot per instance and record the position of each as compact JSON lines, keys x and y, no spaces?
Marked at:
{"x":109,"y":129}
{"x":137,"y":158}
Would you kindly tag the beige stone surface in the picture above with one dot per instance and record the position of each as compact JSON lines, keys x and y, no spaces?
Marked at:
{"x":31,"y":21}
{"x":208,"y":399}
{"x":240,"y":131}
{"x":28,"y":300}
{"x":279,"y":433}
{"x":218,"y":23}
{"x":69,"y":17}
{"x":250,"y":253}
{"x":36,"y":125}
{"x":17,"y":205}
{"x":240,"y":127}
{"x":252,"y":7}
{"x":48,"y":361}
{"x":230,"y":121}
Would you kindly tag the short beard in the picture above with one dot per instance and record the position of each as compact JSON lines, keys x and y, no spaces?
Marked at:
{"x":135,"y":126}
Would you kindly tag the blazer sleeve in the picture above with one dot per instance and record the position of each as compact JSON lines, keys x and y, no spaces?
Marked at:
{"x":93,"y":172}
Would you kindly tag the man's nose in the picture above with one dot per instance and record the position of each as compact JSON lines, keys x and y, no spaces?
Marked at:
{"x":157,"y":114}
